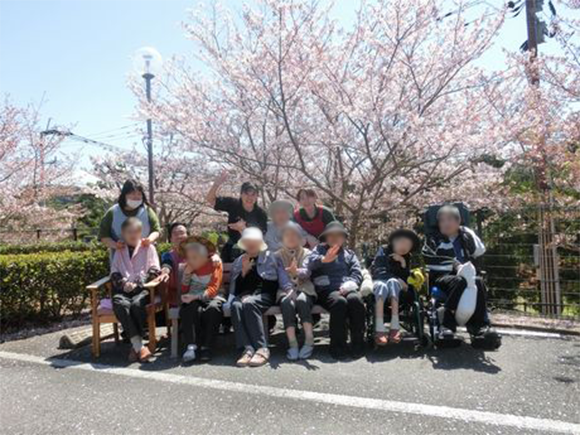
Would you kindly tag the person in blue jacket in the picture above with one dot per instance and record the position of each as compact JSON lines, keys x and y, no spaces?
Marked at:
{"x":337,"y":275}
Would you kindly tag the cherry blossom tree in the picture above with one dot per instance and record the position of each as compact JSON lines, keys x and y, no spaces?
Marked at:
{"x":391,"y":114}
{"x":31,"y":172}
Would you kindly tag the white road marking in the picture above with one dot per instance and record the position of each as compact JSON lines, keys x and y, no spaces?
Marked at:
{"x":446,"y":412}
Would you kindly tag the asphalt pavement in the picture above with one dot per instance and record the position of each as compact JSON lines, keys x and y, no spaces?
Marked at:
{"x":530,"y":385}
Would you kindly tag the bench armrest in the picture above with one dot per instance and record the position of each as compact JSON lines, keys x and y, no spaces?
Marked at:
{"x":99,"y":283}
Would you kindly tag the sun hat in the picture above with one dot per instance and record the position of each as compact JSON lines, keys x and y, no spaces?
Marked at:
{"x":333,"y":227}
{"x":252,"y":233}
{"x":407,"y":234}
{"x":194,"y":242}
{"x":281,"y":204}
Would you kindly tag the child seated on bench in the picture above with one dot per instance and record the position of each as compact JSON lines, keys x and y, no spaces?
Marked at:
{"x":132,"y":267}
{"x":201,"y":309}
{"x":391,"y":270}
{"x":300,"y":296}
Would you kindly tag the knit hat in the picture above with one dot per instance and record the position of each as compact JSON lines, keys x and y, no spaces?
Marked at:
{"x":255,"y":234}
{"x":333,"y":227}
{"x":407,"y":234}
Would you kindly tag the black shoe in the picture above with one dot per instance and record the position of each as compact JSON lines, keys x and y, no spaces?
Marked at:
{"x":446,"y":334}
{"x":357,"y":351}
{"x":205,"y":355}
{"x":486,"y":338}
{"x":338,"y":354}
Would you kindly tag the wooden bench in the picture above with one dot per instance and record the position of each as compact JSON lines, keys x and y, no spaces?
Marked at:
{"x":173,"y":313}
{"x":104,"y":314}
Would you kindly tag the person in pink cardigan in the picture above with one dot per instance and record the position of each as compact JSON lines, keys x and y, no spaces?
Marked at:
{"x":132,"y":267}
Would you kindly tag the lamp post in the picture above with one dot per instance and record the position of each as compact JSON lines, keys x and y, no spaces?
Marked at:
{"x":147,"y":62}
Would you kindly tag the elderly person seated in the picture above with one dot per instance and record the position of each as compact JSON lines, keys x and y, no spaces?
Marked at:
{"x":336,"y":273}
{"x":254,"y":281}
{"x":300,"y":297}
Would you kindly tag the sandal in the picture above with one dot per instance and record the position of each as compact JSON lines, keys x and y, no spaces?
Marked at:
{"x":245,"y":358}
{"x":395,"y":336}
{"x":260,"y":358}
{"x":381,"y":338}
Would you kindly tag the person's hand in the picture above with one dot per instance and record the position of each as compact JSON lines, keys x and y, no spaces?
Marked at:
{"x":164,"y":276}
{"x":187,"y":298}
{"x":129,"y":287}
{"x":238,"y":226}
{"x":331,"y":254}
{"x":119,"y":245}
{"x":246,"y":264}
{"x":222,"y":177}
{"x":216,"y":260}
{"x":292,"y":269}
{"x":145,"y":242}
{"x":400,"y":259}
{"x":404,"y":285}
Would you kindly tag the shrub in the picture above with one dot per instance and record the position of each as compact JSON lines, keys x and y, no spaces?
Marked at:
{"x":49,"y":247}
{"x":45,"y":286}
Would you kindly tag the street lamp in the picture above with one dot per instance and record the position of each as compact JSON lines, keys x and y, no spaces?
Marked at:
{"x":147,"y":62}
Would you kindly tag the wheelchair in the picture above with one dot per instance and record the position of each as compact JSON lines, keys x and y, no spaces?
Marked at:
{"x":436,"y":297}
{"x":412,"y":315}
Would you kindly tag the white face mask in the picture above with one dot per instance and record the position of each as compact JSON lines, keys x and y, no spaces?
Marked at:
{"x":132,"y":204}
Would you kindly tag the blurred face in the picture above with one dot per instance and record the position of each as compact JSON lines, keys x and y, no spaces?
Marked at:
{"x":196,"y":258}
{"x":132,"y":235}
{"x":291,"y":240}
{"x":307,"y":201}
{"x":335,"y":239}
{"x":280,"y":217}
{"x":178,"y":235}
{"x":249,"y":199}
{"x":448,"y":225}
{"x":252,"y":247}
{"x":402,"y":246}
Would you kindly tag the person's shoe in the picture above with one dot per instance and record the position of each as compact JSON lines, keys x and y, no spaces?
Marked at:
{"x":205,"y":354}
{"x":189,"y":354}
{"x":446,"y":334}
{"x":306,"y":351}
{"x":381,"y":338}
{"x":260,"y":358}
{"x":485,"y":338}
{"x":395,"y":336}
{"x":357,"y":350}
{"x":338,"y":354}
{"x":245,"y":359}
{"x":145,"y":354}
{"x":292,"y":353}
{"x":133,"y":356}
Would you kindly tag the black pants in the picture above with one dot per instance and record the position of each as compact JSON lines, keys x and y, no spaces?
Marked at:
{"x":131,"y":311}
{"x":454,"y":286}
{"x":200,"y":321}
{"x":341,"y":309}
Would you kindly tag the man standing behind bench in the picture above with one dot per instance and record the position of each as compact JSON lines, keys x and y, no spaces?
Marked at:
{"x":243,"y":212}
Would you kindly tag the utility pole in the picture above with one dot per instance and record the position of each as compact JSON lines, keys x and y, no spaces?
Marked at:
{"x":547,"y":255}
{"x":148,"y":77}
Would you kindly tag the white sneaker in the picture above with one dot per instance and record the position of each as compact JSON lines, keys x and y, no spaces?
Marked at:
{"x":189,"y":354}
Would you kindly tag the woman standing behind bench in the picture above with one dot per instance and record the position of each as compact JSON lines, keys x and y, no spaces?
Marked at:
{"x":311,"y":216}
{"x":132,"y":202}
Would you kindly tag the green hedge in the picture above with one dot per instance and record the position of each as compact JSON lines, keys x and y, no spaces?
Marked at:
{"x":43,"y":287}
{"x":50,"y":247}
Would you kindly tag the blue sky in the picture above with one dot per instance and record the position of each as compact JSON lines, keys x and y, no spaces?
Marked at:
{"x":76,"y":54}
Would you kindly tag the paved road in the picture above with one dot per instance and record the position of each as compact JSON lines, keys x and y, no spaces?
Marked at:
{"x":531,"y":385}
